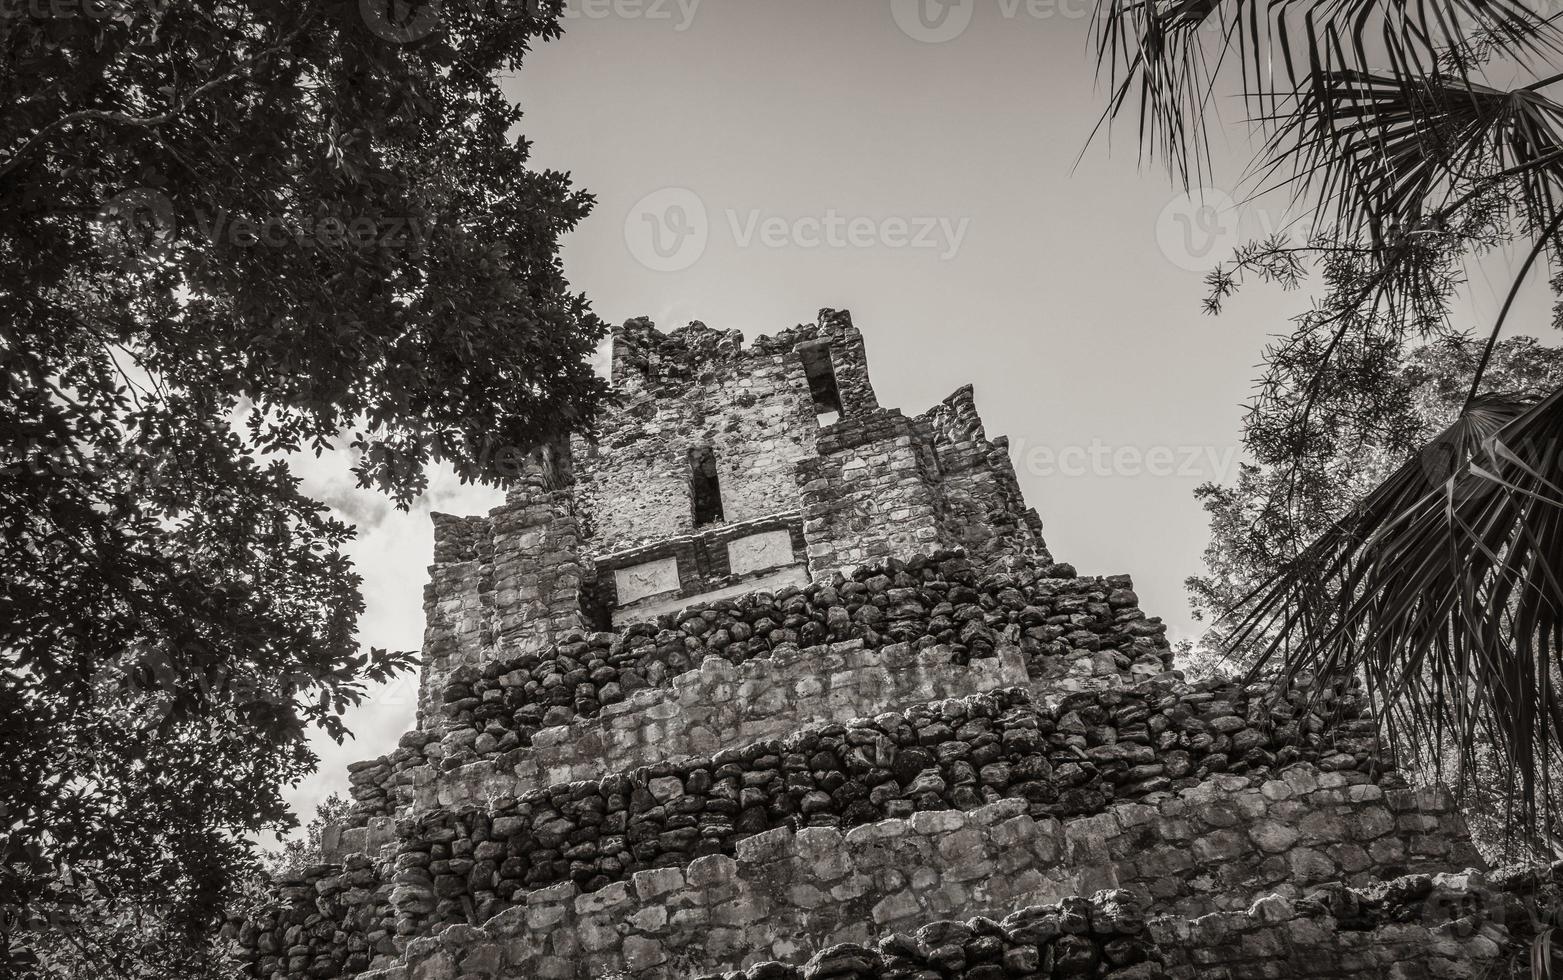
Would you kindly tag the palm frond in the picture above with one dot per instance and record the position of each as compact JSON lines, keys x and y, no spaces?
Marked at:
{"x":1391,"y":156}
{"x":1443,"y":588}
{"x":1163,"y":57}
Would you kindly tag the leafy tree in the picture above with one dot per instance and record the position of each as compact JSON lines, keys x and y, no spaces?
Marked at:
{"x":231,"y":229}
{"x":297,"y":854}
{"x":1401,"y":129}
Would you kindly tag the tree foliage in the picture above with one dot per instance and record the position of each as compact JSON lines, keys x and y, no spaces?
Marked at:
{"x":1272,"y":512}
{"x":296,"y":854}
{"x":231,"y":229}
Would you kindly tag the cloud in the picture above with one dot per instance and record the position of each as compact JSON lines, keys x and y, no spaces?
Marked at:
{"x":391,"y":552}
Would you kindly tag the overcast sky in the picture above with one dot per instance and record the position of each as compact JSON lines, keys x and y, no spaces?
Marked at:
{"x":756,"y":160}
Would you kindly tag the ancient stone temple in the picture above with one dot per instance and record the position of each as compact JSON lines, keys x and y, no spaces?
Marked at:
{"x":772,"y":681}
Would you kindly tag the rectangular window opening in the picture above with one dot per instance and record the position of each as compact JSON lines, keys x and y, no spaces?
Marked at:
{"x":821,"y":373}
{"x":705,"y":492}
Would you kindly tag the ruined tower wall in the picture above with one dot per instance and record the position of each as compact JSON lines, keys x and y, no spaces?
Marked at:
{"x":696,"y":388}
{"x":507,"y":583}
{"x":869,"y":482}
{"x":983,"y":509}
{"x":869,"y":494}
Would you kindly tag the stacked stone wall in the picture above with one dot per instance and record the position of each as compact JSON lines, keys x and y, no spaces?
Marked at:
{"x":1111,"y":936}
{"x":940,"y":601}
{"x":1103,"y":936}
{"x":884,"y":484}
{"x":849,"y":359}
{"x":510,"y":581}
{"x":1443,"y":935}
{"x":785,"y":894}
{"x":981,"y":507}
{"x":723,"y":703}
{"x":868,"y":495}
{"x":1074,"y":633}
{"x":1419,"y":926}
{"x":1084,"y":757}
{"x":1078,"y":758}
{"x":329,"y":921}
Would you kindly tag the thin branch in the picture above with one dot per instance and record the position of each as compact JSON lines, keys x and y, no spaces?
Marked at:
{"x":125,"y":119}
{"x":1508,"y":302}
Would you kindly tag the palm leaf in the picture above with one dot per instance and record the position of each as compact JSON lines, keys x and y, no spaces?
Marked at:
{"x":1443,"y":589}
{"x":1164,"y":56}
{"x":1393,"y":156}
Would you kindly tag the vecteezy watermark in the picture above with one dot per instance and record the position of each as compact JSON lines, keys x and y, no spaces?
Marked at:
{"x":136,"y":227}
{"x":328,"y":232}
{"x":669,"y":230}
{"x":1201,"y":226}
{"x":1188,"y":462}
{"x":406,"y":21}
{"x":139,"y":227}
{"x":835,"y":230}
{"x":933,"y":21}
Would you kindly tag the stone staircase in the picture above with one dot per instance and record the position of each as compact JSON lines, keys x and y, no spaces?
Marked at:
{"x":718,"y":826}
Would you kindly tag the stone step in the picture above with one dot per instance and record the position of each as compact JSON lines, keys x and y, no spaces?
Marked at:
{"x":1417,"y":927}
{"x":1214,"y":848}
{"x":1068,"y":760}
{"x":944,"y":600}
{"x":1104,"y":936}
{"x":923,"y":767}
{"x":1075,"y":633}
{"x":723,"y":703}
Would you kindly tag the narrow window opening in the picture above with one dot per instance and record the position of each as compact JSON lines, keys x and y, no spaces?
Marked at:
{"x":822,"y":384}
{"x":705,"y":492}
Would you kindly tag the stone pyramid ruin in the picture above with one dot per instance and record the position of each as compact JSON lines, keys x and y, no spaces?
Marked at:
{"x":770,"y":681}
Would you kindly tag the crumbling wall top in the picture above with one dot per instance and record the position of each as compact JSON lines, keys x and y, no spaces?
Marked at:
{"x":645,"y":357}
{"x":955,"y":419}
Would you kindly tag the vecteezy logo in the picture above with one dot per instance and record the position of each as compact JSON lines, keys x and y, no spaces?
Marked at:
{"x":667,"y":230}
{"x":136,"y":227}
{"x":140,"y":688}
{"x":1455,"y":479}
{"x":933,"y":21}
{"x":401,"y":21}
{"x":1198,"y":228}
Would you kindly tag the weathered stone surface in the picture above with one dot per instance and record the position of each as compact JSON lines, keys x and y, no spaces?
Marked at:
{"x":838,"y":715}
{"x":626,"y":702}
